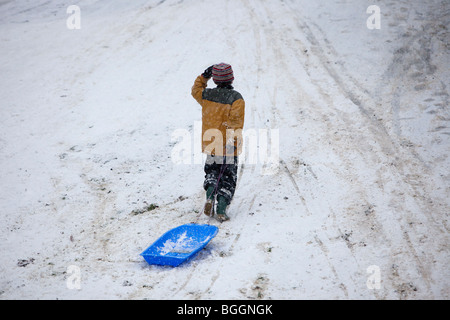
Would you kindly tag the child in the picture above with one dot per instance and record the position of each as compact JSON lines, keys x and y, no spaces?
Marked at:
{"x":223,"y":112}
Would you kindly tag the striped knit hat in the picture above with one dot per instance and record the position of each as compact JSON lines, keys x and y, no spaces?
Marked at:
{"x":222,"y":73}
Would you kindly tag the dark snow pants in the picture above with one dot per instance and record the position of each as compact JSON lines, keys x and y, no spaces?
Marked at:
{"x":221,"y":172}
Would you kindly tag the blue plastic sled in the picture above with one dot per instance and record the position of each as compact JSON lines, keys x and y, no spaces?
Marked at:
{"x":179,"y":244}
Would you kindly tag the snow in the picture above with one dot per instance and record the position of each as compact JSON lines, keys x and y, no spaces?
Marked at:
{"x":183,"y":244}
{"x":90,"y":119}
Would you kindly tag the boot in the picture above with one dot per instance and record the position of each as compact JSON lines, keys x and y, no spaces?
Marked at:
{"x":209,"y":193}
{"x":209,"y":205}
{"x":222,"y":205}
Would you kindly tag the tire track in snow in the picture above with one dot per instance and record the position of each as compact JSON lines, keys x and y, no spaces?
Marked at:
{"x":326,"y":251}
{"x":386,"y":142}
{"x":363,"y":100}
{"x":354,"y":91}
{"x":277,"y":118}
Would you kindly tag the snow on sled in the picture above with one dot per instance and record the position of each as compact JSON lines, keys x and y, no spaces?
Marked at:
{"x":179,"y":244}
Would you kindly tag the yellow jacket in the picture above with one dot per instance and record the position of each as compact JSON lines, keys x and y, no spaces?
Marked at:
{"x":223,"y":113}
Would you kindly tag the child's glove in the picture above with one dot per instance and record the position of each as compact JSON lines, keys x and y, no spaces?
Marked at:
{"x":208,"y":73}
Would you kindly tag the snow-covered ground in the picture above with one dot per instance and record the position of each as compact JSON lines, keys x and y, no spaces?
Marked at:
{"x":357,"y":206}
